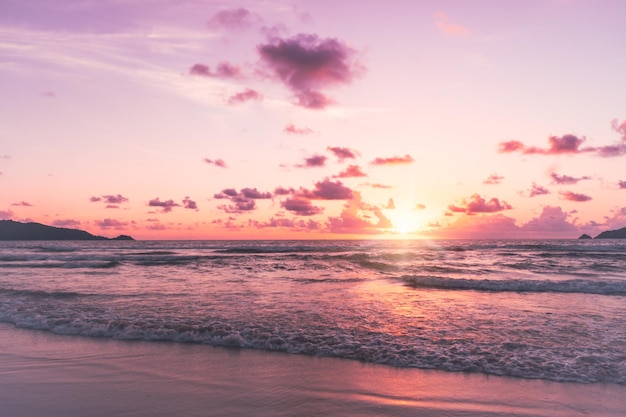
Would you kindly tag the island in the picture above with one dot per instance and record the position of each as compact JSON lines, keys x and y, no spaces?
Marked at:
{"x":608,"y":234}
{"x":12,"y":230}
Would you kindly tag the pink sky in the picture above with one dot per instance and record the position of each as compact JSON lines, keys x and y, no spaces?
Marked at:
{"x":203,"y":119}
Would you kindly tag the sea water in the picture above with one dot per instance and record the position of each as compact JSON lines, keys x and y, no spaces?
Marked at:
{"x":547,"y":309}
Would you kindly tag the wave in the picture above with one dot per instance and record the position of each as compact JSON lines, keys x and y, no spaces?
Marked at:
{"x":606,"y":287}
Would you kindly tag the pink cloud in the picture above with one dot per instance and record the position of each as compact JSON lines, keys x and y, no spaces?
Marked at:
{"x":22,"y":204}
{"x":314,"y":161}
{"x":551,"y":220}
{"x":66,"y":223}
{"x":536,"y":190}
{"x":493,"y":179}
{"x":114,"y":199}
{"x":394,"y":160}
{"x":190,"y":204}
{"x":572,"y":196}
{"x":327,"y":190}
{"x":306,"y":64}
{"x":352,"y":171}
{"x":290,"y":128}
{"x":166,"y":206}
{"x":447,"y":27}
{"x":391,"y":205}
{"x":566,"y":179}
{"x":246,"y":95}
{"x":619,"y":128}
{"x":342,"y":153}
{"x":377,"y":185}
{"x":223,"y":70}
{"x":255,"y":194}
{"x":217,"y":162}
{"x":111,"y":224}
{"x":233,"y":19}
{"x":301,"y":206}
{"x":477,"y":204}
{"x":351,"y":221}
{"x":284,"y":191}
{"x":621,"y":184}
{"x":49,"y":94}
{"x":6,"y":214}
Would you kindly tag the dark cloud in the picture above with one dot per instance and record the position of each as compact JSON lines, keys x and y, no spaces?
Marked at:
{"x":314,"y":161}
{"x":493,"y":179}
{"x":223,"y":70}
{"x":284,"y":191}
{"x":66,"y":223}
{"x":246,"y":95}
{"x":477,"y":204}
{"x":190,"y":204}
{"x":241,"y":201}
{"x":566,"y":179}
{"x":572,"y":196}
{"x":342,"y":153}
{"x":22,"y":204}
{"x":233,"y":19}
{"x":621,"y":184}
{"x":217,"y":162}
{"x":111,"y":224}
{"x":536,"y":190}
{"x":114,"y":199}
{"x":301,"y":206}
{"x":166,"y":206}
{"x":352,"y":171}
{"x":307,"y":64}
{"x":290,"y":128}
{"x":394,"y":160}
{"x":327,"y":190}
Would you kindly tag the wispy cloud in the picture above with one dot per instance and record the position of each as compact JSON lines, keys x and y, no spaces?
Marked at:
{"x":566,"y":179}
{"x":352,"y":171}
{"x":572,"y":196}
{"x":493,"y":179}
{"x":290,"y":128}
{"x":394,"y":160}
{"x":444,"y":24}
{"x":217,"y":162}
{"x":342,"y":153}
{"x":248,"y":94}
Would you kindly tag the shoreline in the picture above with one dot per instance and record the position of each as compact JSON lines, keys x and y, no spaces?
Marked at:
{"x":47,"y":374}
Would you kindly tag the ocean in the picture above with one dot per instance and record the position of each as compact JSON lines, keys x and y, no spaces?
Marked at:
{"x":534,"y":309}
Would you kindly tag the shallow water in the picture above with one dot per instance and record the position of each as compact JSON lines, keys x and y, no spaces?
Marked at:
{"x":530,"y":309}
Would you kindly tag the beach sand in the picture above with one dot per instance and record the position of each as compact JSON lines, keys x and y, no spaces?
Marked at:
{"x":43,"y":374}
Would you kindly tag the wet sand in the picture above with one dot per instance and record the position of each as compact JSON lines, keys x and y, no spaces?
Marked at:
{"x":52,"y":375}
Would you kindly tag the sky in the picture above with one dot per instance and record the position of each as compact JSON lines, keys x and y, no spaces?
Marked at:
{"x":287,"y":119}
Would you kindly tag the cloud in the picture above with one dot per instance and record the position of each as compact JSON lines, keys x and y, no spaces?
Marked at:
{"x":283,"y":191}
{"x":566,"y":179}
{"x":352,"y":221}
{"x":301,"y":206}
{"x":223,"y":70}
{"x":233,"y":19}
{"x":377,"y":185}
{"x":572,"y":196}
{"x":394,"y":160}
{"x":420,"y":207}
{"x":314,"y":161}
{"x":49,"y":94}
{"x":447,"y":27}
{"x":536,"y":190}
{"x":619,"y":128}
{"x":307,"y":64}
{"x":190,"y":204}
{"x":217,"y":162}
{"x":352,"y":171}
{"x":569,"y":144}
{"x":166,"y":206}
{"x":111,"y":201}
{"x":477,"y":204}
{"x":242,"y":201}
{"x":66,"y":223}
{"x":111,"y":224}
{"x":342,"y":153}
{"x":22,"y":204}
{"x":493,"y":179}
{"x":621,"y":184}
{"x":391,"y":205}
{"x":290,"y":128}
{"x":6,"y":214}
{"x":327,"y":190}
{"x":246,"y":95}
{"x":551,"y":220}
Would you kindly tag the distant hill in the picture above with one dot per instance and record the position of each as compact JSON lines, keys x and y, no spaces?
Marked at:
{"x":12,"y":230}
{"x":613,"y":234}
{"x":609,"y":234}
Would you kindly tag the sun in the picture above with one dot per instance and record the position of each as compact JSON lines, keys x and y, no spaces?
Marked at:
{"x":405,"y":222}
